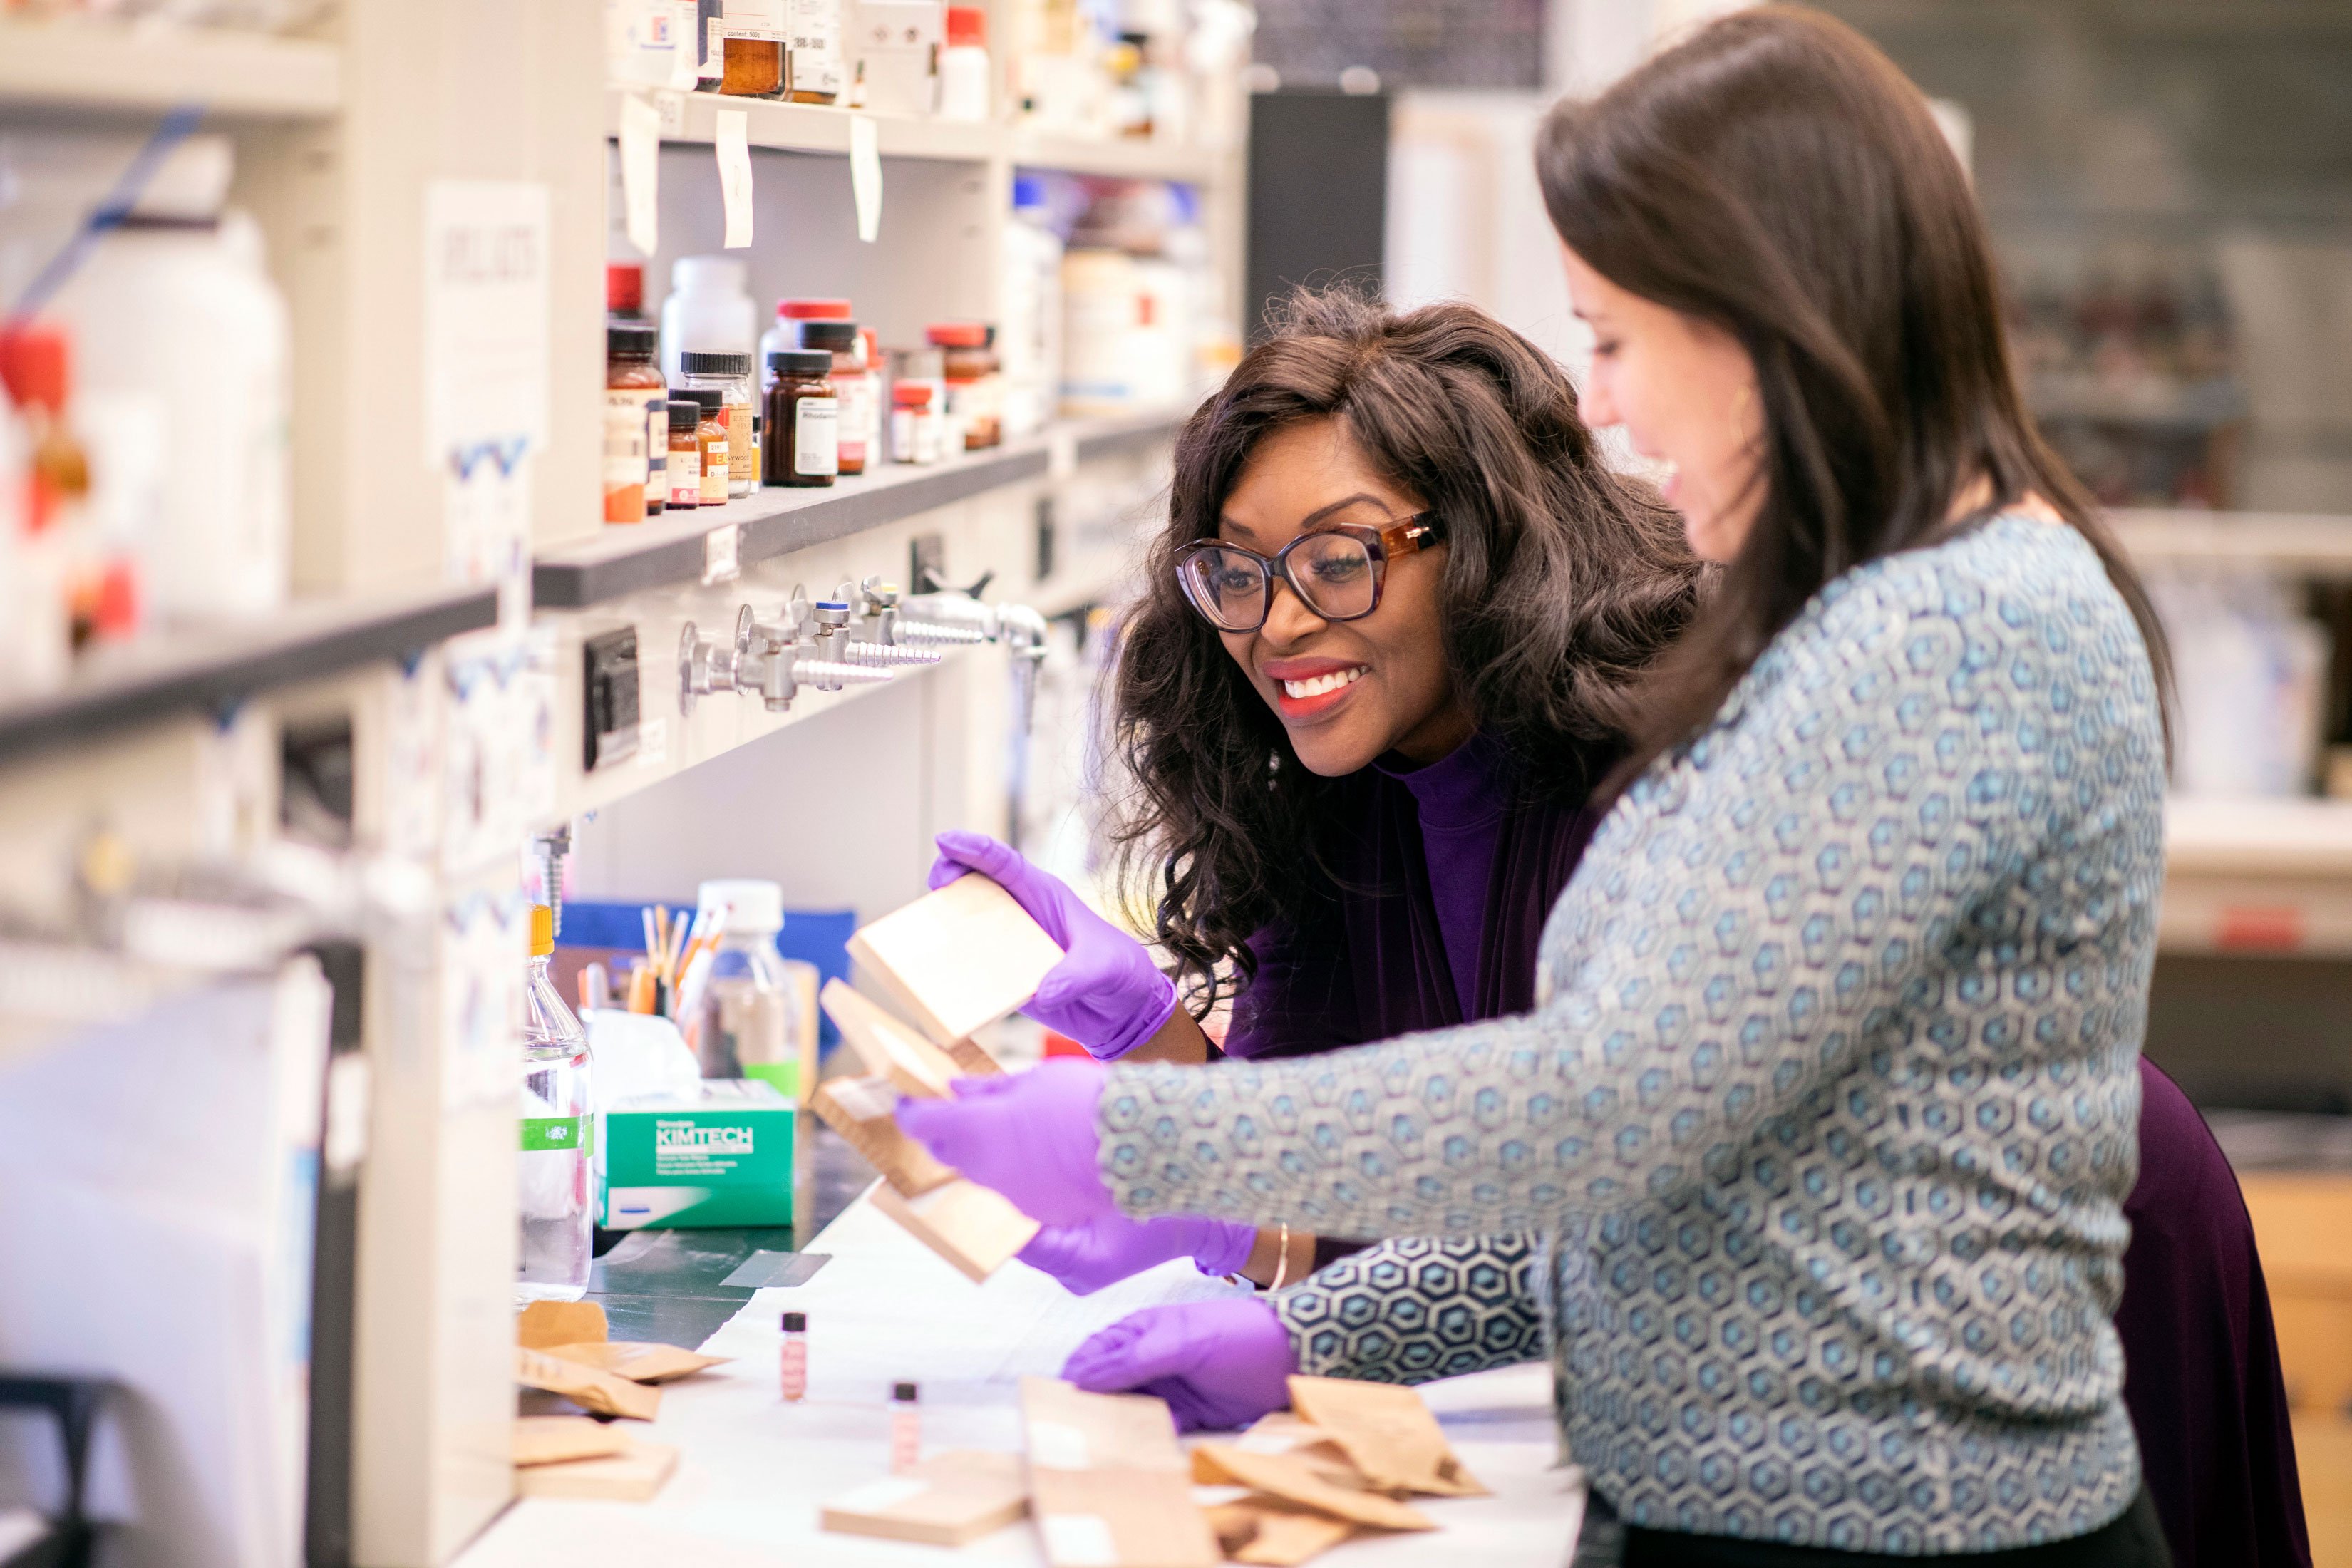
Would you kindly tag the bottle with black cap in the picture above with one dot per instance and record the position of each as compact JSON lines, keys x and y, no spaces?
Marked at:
{"x":804,"y":419}
{"x":906,"y":1428}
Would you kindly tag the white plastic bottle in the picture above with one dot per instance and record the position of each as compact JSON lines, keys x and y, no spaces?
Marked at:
{"x":557,"y":1133}
{"x":963,"y":65}
{"x":1029,"y":335}
{"x":186,"y":373}
{"x":707,"y":310}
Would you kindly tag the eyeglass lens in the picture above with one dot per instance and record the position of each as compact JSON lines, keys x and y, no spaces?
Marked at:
{"x":1331,"y":572}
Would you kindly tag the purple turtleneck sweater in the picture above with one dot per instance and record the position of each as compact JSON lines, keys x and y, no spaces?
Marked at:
{"x":1460,"y":800}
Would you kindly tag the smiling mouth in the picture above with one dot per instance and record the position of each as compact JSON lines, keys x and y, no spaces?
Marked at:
{"x":1321,"y":685}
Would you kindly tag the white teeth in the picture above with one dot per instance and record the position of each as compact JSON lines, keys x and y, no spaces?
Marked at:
{"x":1322,"y":683}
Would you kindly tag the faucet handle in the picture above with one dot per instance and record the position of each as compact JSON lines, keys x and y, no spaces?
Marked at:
{"x":704,"y":667}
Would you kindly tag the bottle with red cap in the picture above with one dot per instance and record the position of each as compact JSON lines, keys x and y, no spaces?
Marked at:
{"x":963,"y":65}
{"x":786,"y":333}
{"x":974,"y":390}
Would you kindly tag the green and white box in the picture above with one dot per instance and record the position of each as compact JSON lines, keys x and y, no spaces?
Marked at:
{"x":721,"y":1157}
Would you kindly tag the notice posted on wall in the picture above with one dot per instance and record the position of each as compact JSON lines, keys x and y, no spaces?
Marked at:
{"x":485,"y":267}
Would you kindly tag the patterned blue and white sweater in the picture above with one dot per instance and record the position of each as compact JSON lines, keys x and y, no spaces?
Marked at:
{"x":1825,"y":1115}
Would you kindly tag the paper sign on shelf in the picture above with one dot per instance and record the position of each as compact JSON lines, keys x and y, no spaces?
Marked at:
{"x":866,"y":176}
{"x":721,"y":559}
{"x":641,"y":129}
{"x":485,"y":267}
{"x":731,"y":137}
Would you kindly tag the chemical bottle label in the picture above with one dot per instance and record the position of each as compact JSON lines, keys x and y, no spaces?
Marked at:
{"x":816,"y":430}
{"x":543,"y":1133}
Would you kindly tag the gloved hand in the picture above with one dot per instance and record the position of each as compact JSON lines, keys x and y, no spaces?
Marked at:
{"x":1106,"y":994}
{"x":1217,"y":1364}
{"x":1031,"y":1135}
{"x":1111,"y":1246}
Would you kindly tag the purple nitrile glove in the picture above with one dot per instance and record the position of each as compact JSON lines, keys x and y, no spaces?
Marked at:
{"x":1111,"y":1246}
{"x":1106,"y":994}
{"x":1031,"y":1135}
{"x":1217,"y":1364}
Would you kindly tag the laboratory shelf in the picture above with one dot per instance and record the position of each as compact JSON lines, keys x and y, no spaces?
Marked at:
{"x":692,"y":117}
{"x":196,"y":670}
{"x":2295,"y":838}
{"x":2316,"y":544}
{"x":91,"y":68}
{"x":679,"y":548}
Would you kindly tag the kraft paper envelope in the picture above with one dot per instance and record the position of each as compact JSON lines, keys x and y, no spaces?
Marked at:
{"x":956,"y":959}
{"x":586,"y":1386}
{"x":1107,"y":1482}
{"x":1274,"y":1533}
{"x":550,"y":1439}
{"x":545,"y":1323}
{"x":1388,"y":1432}
{"x":1295,"y":1479}
{"x":639,"y":1361}
{"x":945,"y":1500}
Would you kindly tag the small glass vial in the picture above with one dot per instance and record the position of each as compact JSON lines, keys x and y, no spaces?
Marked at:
{"x":557,"y":1170}
{"x":730,"y":376}
{"x":914,"y":422}
{"x":792,"y":1362}
{"x":804,"y":419}
{"x":685,"y":453}
{"x":710,"y":440}
{"x":636,"y":423}
{"x":906,"y":1429}
{"x":846,"y":344}
{"x":968,"y":364}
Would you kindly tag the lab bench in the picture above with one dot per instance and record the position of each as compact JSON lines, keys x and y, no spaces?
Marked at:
{"x":753,"y":1472}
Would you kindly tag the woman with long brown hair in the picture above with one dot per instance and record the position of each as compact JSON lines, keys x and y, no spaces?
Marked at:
{"x":1826,"y":1111}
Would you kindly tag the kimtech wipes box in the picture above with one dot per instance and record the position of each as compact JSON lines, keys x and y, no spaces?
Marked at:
{"x":719,"y":1157}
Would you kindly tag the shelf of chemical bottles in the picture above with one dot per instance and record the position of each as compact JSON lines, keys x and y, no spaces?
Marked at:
{"x":212,"y":669}
{"x":709,"y":542}
{"x":82,"y":67}
{"x":692,"y":117}
{"x":2311,"y":544}
{"x":2257,"y":877}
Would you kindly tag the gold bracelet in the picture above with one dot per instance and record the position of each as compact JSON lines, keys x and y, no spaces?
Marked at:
{"x":1281,"y":1261}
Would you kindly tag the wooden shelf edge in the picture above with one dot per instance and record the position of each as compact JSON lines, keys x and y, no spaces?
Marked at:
{"x":215,"y":669}
{"x":106,"y":69}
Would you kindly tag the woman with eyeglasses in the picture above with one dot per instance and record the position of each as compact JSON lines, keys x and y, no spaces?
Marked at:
{"x":1377,"y":671}
{"x":1830,"y":1106}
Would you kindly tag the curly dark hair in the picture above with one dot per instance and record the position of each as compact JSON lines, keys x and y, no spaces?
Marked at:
{"x":1561,"y":583}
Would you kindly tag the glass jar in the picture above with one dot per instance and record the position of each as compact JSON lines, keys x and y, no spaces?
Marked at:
{"x":914,"y":422}
{"x":968,"y":365}
{"x":557,"y":1168}
{"x":804,"y":419}
{"x":710,"y":441}
{"x":846,"y":344}
{"x":758,"y":1017}
{"x":685,"y":453}
{"x":636,"y":400}
{"x":744,"y":41}
{"x":730,"y":376}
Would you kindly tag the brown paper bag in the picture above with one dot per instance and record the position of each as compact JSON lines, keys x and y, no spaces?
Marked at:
{"x":885,"y":1045}
{"x":974,"y":1227}
{"x":1276,"y":1534}
{"x":1295,"y":1479}
{"x":545,"y":1323}
{"x":550,"y":1439}
{"x":1107,"y":1482}
{"x":1286,"y":1433}
{"x":956,"y":959}
{"x":859,"y":1109}
{"x":633,"y":1475}
{"x":639,"y":1361}
{"x":586,"y":1386}
{"x":946,"y":1501}
{"x":1388,"y":1432}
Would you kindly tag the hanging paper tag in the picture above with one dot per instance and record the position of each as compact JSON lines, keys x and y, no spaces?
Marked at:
{"x":866,"y":176}
{"x":641,"y":129}
{"x":730,"y":134}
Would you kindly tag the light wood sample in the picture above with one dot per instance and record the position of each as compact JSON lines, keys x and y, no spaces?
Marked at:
{"x":974,"y":1227}
{"x":1107,"y":1483}
{"x":633,"y":1475}
{"x":956,"y":959}
{"x":585,"y":1385}
{"x":887,"y":1046}
{"x":549,"y":1440}
{"x":639,"y":1361}
{"x":860,"y":1109}
{"x":945,"y":1500}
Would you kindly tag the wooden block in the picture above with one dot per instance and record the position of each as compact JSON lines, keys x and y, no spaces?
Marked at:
{"x":859,"y":1108}
{"x":635,"y":1475}
{"x":1274,"y":1533}
{"x":1387,"y":1432}
{"x":946,"y":1501}
{"x":550,"y":1439}
{"x":1107,"y":1482}
{"x":545,"y":1323}
{"x":956,"y":959}
{"x":971,"y":1226}
{"x":1296,"y":1479}
{"x":638,"y":1361}
{"x":887,"y":1046}
{"x":585,"y":1385}
{"x":971,"y":1061}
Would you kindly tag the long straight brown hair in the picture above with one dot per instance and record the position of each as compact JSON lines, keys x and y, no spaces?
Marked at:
{"x":1774,"y":173}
